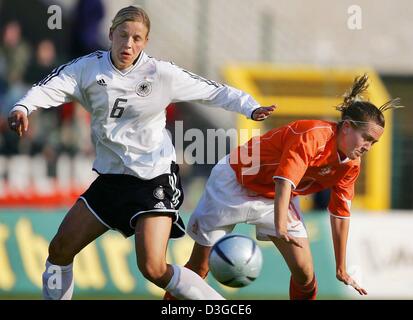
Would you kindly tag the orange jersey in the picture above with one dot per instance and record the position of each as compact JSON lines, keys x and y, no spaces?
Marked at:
{"x":303,"y":152}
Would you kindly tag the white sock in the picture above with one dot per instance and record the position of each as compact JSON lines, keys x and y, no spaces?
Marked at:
{"x":58,"y":282}
{"x":187,"y":285}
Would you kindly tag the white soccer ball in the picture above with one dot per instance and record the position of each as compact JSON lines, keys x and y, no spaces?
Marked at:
{"x":235,"y":260}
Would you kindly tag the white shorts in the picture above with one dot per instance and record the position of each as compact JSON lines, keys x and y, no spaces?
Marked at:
{"x":226,"y":203}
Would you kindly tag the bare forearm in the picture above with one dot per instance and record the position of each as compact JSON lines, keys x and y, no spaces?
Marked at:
{"x":340,"y":228}
{"x":281,"y":203}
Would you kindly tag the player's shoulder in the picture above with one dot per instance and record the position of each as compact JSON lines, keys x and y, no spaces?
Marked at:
{"x":89,"y":59}
{"x":160,"y":66}
{"x":96,"y":55}
{"x":86,"y":61}
{"x":308,"y":124}
{"x":319,"y":128}
{"x":351,"y":170}
{"x":158,"y":62}
{"x":167,"y":66}
{"x":74,"y":67}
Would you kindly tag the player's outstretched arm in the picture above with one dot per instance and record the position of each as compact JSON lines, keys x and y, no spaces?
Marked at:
{"x":187,"y":86}
{"x":18,"y":122}
{"x":339,"y":228}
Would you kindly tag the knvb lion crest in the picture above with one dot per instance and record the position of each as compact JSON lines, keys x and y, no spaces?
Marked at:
{"x":159,"y":193}
{"x":143,"y":88}
{"x":324,"y":171}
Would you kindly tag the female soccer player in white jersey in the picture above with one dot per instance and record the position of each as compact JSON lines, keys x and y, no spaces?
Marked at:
{"x":138,"y":189}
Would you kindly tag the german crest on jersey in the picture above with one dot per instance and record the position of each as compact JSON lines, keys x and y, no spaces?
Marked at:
{"x":143,"y":88}
{"x":159,"y":193}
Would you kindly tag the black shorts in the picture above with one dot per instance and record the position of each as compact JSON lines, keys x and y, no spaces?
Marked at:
{"x":118,"y":199}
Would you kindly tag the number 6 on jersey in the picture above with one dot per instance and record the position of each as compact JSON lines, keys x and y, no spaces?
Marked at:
{"x":117,"y":111}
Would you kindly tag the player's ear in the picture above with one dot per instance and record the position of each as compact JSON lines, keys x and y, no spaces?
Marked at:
{"x":110,"y":35}
{"x":346,"y":126}
{"x":146,"y":39}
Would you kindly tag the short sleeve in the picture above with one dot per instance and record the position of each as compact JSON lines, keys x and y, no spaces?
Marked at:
{"x":342,"y":194}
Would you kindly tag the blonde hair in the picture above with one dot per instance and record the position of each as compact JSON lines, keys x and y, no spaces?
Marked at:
{"x":355,"y":108}
{"x":131,"y":13}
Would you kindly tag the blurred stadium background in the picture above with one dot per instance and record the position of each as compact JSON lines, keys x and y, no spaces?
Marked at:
{"x":297,"y":54}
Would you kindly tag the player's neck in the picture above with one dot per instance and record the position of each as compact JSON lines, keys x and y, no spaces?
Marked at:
{"x":125,"y":69}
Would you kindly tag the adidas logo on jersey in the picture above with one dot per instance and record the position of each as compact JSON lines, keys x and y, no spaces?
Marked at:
{"x":101,"y":82}
{"x":159,"y":205}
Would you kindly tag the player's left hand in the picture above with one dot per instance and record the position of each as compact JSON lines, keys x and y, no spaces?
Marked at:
{"x":262,"y":113}
{"x":344,"y":277}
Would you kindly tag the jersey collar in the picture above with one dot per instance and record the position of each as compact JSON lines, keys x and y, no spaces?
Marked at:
{"x":347,"y":159}
{"x":135,"y":64}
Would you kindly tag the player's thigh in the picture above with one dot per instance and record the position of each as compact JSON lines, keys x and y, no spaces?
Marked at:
{"x":299,"y":260}
{"x":78,"y":228}
{"x":151,"y":238}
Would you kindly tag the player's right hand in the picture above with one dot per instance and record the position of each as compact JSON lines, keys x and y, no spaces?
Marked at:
{"x":18,"y":122}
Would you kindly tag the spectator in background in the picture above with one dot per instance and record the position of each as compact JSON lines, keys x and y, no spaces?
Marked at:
{"x":42,"y":63}
{"x":14,"y":54}
{"x":14,"y":58}
{"x":46,"y":136}
{"x":85,"y":35}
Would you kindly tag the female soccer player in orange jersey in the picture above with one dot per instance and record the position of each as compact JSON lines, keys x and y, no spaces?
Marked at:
{"x":303,"y":157}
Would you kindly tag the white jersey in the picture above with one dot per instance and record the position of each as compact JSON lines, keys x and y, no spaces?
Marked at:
{"x":128,"y":108}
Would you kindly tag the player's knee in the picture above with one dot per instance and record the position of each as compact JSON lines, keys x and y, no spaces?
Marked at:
{"x":60,"y":250}
{"x":303,"y":275}
{"x":153,"y":271}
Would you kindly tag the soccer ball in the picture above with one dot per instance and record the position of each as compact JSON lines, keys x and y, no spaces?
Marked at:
{"x":235,"y":260}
